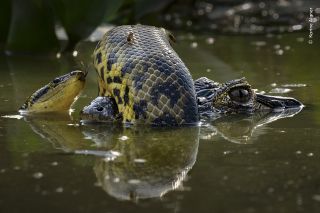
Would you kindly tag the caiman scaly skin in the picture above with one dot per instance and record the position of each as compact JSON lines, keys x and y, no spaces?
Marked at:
{"x":137,"y":66}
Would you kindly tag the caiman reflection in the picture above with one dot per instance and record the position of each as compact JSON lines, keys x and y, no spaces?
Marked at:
{"x":243,"y":128}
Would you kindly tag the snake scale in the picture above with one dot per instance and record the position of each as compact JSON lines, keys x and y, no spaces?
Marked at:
{"x":137,"y":67}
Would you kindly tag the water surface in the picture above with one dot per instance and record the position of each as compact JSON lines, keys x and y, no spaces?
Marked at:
{"x":257,"y":163}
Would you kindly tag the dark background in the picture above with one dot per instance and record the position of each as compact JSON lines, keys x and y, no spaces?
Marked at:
{"x":28,"y":26}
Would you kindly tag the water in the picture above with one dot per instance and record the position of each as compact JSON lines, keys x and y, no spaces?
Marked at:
{"x":260,"y":163}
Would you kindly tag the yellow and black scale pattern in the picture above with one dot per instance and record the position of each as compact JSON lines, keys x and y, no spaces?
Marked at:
{"x":137,"y":66}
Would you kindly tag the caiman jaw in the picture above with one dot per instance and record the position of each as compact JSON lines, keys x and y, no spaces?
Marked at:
{"x":276,"y":102}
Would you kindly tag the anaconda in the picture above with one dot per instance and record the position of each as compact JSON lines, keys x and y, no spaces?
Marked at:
{"x":142,"y":79}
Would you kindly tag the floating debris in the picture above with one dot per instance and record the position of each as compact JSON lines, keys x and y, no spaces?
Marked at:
{"x":124,"y":138}
{"x":75,"y":53}
{"x":37,"y":175}
{"x":109,"y":155}
{"x":87,"y":138}
{"x":13,"y":116}
{"x":134,"y":181}
{"x":189,"y":23}
{"x":55,"y":163}
{"x":275,"y":16}
{"x":262,"y":5}
{"x":298,"y":152}
{"x":76,"y":125}
{"x":277,"y":46}
{"x":59,"y":189}
{"x":300,"y":39}
{"x":140,"y":160}
{"x":259,"y":43}
{"x":16,"y":168}
{"x":44,"y":193}
{"x":310,"y":154}
{"x":116,"y":180}
{"x":227,"y":152}
{"x":270,"y":190}
{"x":210,"y":40}
{"x":297,"y":27}
{"x":194,"y":45}
{"x":274,"y":84}
{"x":316,"y":197}
{"x":279,"y":52}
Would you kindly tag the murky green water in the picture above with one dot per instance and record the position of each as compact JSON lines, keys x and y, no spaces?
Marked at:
{"x":236,"y":164}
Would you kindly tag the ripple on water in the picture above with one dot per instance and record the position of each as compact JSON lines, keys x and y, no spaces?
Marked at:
{"x":280,"y":90}
{"x":13,"y":116}
{"x":294,"y":85}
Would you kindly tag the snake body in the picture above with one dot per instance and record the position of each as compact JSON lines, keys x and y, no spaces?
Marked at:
{"x":137,"y":66}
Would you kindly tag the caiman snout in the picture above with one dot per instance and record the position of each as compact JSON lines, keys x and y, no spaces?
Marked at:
{"x":277,"y":102}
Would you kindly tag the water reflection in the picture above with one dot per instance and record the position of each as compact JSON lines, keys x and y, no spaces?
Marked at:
{"x":151,"y":162}
{"x":131,"y":163}
{"x":143,"y":162}
{"x":243,"y":128}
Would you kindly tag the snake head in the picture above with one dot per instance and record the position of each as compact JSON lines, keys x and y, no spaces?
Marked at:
{"x":237,"y":96}
{"x":58,"y":95}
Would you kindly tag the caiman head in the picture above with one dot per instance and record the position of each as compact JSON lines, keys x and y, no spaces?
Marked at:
{"x":214,"y":99}
{"x":237,"y":96}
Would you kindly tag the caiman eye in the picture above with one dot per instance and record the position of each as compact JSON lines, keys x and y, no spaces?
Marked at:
{"x":240,"y":95}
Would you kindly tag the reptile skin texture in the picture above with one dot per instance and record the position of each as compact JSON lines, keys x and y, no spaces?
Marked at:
{"x":137,"y":66}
